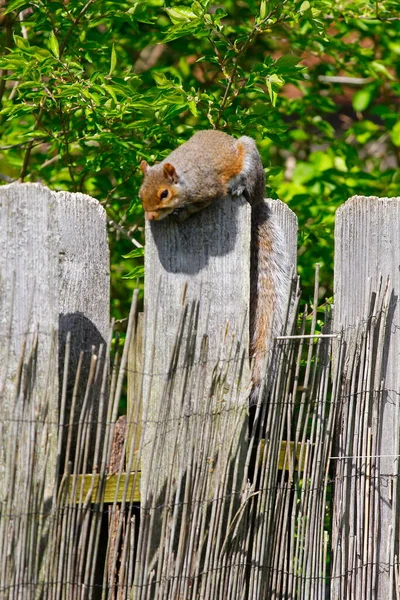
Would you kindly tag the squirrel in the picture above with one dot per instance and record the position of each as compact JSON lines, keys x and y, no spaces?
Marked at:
{"x":210,"y":166}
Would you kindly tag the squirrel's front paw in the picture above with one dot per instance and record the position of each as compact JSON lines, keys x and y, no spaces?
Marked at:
{"x":237,"y":187}
{"x":238,"y":191}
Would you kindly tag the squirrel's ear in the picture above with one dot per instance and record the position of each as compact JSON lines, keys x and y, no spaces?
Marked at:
{"x":144,"y":166}
{"x":170,"y":173}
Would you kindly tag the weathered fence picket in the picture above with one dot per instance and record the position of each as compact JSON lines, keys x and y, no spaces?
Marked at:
{"x":54,"y":274}
{"x":367,"y":289}
{"x":54,"y":279}
{"x":198,"y":284}
{"x":205,"y":260}
{"x":204,"y":264}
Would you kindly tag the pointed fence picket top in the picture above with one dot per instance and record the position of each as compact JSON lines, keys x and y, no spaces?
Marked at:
{"x":197,"y":292}
{"x":367,"y":316}
{"x":54,"y":279}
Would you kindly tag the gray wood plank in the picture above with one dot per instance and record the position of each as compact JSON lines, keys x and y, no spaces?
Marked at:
{"x":204,"y":264}
{"x":287,"y":221}
{"x":210,"y":254}
{"x":84,"y":294}
{"x":29,"y":242}
{"x":54,"y":277}
{"x":367,"y":252}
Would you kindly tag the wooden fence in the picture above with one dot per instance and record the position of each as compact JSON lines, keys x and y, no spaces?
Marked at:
{"x":180,"y":498}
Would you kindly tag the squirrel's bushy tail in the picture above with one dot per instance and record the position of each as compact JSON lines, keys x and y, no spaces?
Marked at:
{"x":270,"y":268}
{"x":270,"y":273}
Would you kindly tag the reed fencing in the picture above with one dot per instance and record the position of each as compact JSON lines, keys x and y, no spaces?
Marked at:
{"x":190,"y":495}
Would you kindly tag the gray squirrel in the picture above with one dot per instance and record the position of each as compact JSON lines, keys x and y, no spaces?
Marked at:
{"x":209,"y":166}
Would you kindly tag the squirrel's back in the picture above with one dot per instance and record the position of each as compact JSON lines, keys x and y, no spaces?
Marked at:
{"x":212,"y":152}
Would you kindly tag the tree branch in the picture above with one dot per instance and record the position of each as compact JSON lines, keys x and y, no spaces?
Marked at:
{"x":74,"y":24}
{"x":29,"y":147}
{"x":255,"y":32}
{"x":124,"y":232}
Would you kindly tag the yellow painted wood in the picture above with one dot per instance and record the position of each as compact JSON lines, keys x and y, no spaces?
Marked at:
{"x":284,"y":462}
{"x":90,"y":482}
{"x":90,"y":485}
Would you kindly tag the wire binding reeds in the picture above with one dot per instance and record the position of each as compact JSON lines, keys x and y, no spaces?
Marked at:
{"x":237,"y":515}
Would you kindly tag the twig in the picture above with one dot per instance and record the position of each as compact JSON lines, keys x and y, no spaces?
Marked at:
{"x":343,"y":79}
{"x":10,"y":146}
{"x":74,"y":24}
{"x":218,"y":55}
{"x":69,"y":159}
{"x":255,"y":32}
{"x":124,"y":232}
{"x":27,"y":156}
{"x":50,"y":161}
{"x":21,"y":20}
{"x":112,"y":190}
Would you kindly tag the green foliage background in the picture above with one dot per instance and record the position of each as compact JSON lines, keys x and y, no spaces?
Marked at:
{"x":88,"y":89}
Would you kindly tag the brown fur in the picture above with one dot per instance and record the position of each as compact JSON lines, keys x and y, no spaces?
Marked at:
{"x":209,"y":166}
{"x":235,"y":167}
{"x":218,"y":158}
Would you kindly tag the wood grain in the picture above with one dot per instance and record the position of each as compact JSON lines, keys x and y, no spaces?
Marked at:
{"x":366,"y":312}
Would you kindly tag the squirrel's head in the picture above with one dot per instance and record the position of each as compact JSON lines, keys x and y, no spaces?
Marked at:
{"x":159,"y":191}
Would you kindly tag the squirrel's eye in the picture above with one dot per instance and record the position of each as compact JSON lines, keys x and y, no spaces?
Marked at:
{"x":164,"y":194}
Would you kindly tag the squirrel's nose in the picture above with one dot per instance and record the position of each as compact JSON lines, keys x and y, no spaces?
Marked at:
{"x":151,"y":216}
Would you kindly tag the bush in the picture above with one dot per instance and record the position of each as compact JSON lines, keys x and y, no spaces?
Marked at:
{"x":87,"y":90}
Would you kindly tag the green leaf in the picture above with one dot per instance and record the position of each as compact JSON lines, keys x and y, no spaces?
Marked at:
{"x":274,"y":78}
{"x":179,"y":31}
{"x":272,"y":94}
{"x":140,"y":12}
{"x":304,"y":6}
{"x":198,"y":9}
{"x":136,"y":253}
{"x":340,"y":164}
{"x":161,"y":79}
{"x":263,"y":9}
{"x":379,"y":68}
{"x":136,"y":273}
{"x":53,"y":45}
{"x":273,"y":82}
{"x":362,"y":99}
{"x":181,"y":14}
{"x":16,"y":5}
{"x":288,"y":60}
{"x":113,"y":61}
{"x":193,"y":108}
{"x":21,"y":42}
{"x":111,"y":91}
{"x":395,"y":134}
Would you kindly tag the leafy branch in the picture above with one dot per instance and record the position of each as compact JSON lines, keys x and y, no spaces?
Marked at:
{"x":257,"y":29}
{"x":29,"y":148}
{"x":74,"y":25}
{"x":6,"y":21}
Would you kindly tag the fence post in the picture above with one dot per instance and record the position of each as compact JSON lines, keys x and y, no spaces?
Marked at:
{"x":210,"y":253}
{"x":54,"y":278}
{"x":366,"y":512}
